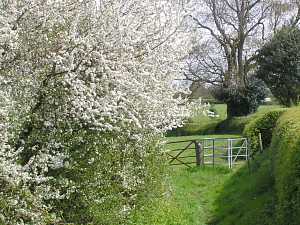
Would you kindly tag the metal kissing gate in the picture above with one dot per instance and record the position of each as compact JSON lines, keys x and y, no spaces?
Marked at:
{"x":208,"y":151}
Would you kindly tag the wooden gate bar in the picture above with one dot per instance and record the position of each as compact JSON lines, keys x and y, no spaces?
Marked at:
{"x":175,"y":157}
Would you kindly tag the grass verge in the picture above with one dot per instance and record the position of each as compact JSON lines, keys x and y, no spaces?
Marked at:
{"x":247,"y":199}
{"x":203,"y":125}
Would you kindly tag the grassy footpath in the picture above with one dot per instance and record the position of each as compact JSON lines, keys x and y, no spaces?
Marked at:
{"x":219,"y":196}
{"x":192,"y":196}
{"x":247,"y":198}
{"x":192,"y":200}
{"x":195,"y":191}
{"x":216,"y":196}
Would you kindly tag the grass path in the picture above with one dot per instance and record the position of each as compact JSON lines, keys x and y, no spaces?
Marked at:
{"x":196,"y":190}
{"x":215,"y":196}
{"x":222,"y":196}
{"x":219,"y":196}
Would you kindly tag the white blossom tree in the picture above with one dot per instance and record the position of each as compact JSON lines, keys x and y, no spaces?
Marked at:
{"x":91,"y":86}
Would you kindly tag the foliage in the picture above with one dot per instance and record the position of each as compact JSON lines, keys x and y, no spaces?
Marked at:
{"x":267,"y":194}
{"x":242,"y":101}
{"x":286,"y":144}
{"x":264,"y":125}
{"x":91,"y":90}
{"x":17,"y":204}
{"x":279,"y":65}
{"x":234,"y":125}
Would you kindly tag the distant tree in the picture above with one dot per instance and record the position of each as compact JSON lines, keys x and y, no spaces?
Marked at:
{"x":231,"y":33}
{"x":243,"y":101}
{"x":279,"y":65}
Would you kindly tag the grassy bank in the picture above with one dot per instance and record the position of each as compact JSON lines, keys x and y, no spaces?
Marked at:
{"x":191,"y":200}
{"x":247,"y":198}
{"x":203,"y":125}
{"x":219,"y":196}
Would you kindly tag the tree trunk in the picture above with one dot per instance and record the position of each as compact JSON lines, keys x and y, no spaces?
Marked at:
{"x":237,"y":108}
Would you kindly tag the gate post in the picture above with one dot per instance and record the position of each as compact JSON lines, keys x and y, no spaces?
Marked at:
{"x":198,"y":150}
{"x":213,"y":159}
{"x":229,"y":153}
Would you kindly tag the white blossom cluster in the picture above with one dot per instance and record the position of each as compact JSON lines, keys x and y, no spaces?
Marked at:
{"x":75,"y":67}
{"x":18,"y":205}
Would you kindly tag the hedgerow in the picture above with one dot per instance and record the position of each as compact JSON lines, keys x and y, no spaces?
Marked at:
{"x":89,"y":91}
{"x":286,"y":144}
{"x":265,"y":125}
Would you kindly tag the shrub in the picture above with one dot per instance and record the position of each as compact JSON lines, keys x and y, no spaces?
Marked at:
{"x":286,"y":143}
{"x":265,"y":125}
{"x":18,"y":206}
{"x":105,"y":177}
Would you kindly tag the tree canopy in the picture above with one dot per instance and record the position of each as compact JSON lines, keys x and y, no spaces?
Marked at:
{"x":279,"y":65}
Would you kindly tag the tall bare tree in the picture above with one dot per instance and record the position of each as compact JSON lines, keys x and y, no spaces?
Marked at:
{"x":232,"y":31}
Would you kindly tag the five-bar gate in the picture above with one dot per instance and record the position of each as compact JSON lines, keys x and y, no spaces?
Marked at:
{"x":208,"y":151}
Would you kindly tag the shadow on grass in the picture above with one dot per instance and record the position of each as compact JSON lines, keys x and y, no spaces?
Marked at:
{"x":220,"y":170}
{"x":247,"y":198}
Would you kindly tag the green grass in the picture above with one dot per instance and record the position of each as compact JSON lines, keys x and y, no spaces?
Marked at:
{"x":219,"y":196}
{"x":247,"y":199}
{"x":195,"y":191}
{"x":197,"y":137}
{"x":204,"y":124}
{"x":200,"y":124}
{"x":215,"y":196}
{"x":190,"y":200}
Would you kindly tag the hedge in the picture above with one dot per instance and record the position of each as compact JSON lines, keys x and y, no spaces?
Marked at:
{"x":286,"y":144}
{"x":265,"y":125}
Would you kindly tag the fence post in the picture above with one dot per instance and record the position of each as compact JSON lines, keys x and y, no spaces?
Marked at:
{"x":198,"y":153}
{"x":247,"y":152}
{"x":213,"y":160}
{"x":231,"y":154}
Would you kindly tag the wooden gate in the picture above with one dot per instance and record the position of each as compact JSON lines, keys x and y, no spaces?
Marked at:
{"x":208,"y":151}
